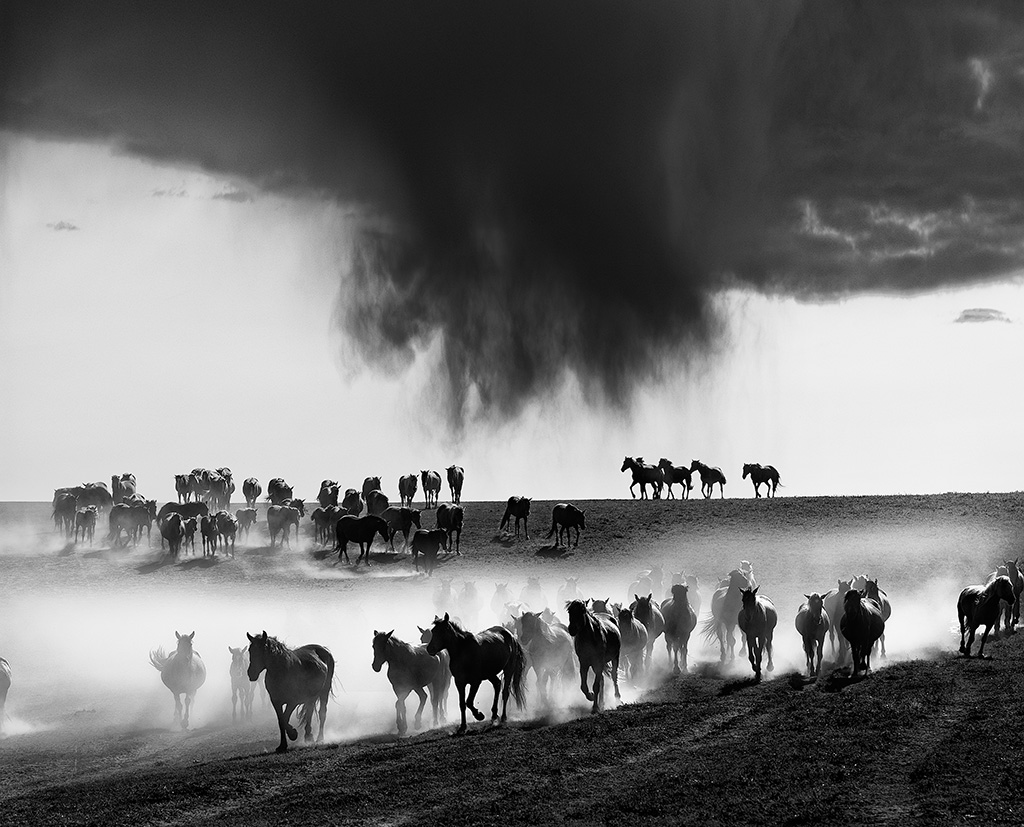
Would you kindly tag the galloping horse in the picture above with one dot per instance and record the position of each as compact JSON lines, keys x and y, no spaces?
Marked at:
{"x":833,"y":604}
{"x":980,"y":606}
{"x":708,"y":478}
{"x":812,"y":623}
{"x":251,"y":489}
{"x":643,"y":475}
{"x":431,"y":481}
{"x":518,"y":507}
{"x":680,"y":620}
{"x":359,"y":530}
{"x":861,"y":625}
{"x":674,"y":474}
{"x":566,"y":516}
{"x":633,"y":636}
{"x":400,"y":519}
{"x":649,"y":613}
{"x":762,"y":474}
{"x":598,"y":646}
{"x":242,"y":689}
{"x":456,"y":476}
{"x":726,"y":603}
{"x":1011,"y":609}
{"x":757,"y":620}
{"x":481,"y":657}
{"x":872,"y":592}
{"x":549,"y":648}
{"x":410,"y":669}
{"x":295,"y":677}
{"x":183,"y":673}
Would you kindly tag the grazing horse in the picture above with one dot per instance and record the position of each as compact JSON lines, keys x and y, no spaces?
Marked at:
{"x":281,"y":518}
{"x":359,"y":530}
{"x":352,"y":502}
{"x":598,"y":645}
{"x":549,"y":648}
{"x":675,"y":474}
{"x":242,"y":689}
{"x":407,"y":489}
{"x":757,"y":620}
{"x":427,"y":543}
{"x":872,"y":592}
{"x":709,"y":477}
{"x":85,"y":520}
{"x":431,"y":481}
{"x":278,"y":491}
{"x":295,"y":677}
{"x":649,"y":613}
{"x":633,"y":635}
{"x":410,"y":669}
{"x":812,"y":623}
{"x":401,"y":519}
{"x":183,"y":673}
{"x":862,"y":625}
{"x":518,"y":507}
{"x":172,"y":529}
{"x":251,"y":490}
{"x":5,"y":687}
{"x":833,"y":604}
{"x":980,"y":606}
{"x":643,"y":475}
{"x":680,"y":621}
{"x":182,"y":487}
{"x":479,"y":657}
{"x":563,"y":517}
{"x":456,"y":476}
{"x":726,"y":603}
{"x":762,"y":474}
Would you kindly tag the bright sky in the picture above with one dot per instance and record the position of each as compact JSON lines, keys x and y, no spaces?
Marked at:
{"x":150,"y":324}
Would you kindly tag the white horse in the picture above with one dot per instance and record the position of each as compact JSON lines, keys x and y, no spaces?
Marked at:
{"x":183,"y":673}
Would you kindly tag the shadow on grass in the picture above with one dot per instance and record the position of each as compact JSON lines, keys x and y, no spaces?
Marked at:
{"x":738,"y":685}
{"x":200,"y":563}
{"x":155,"y":565}
{"x":553,"y":552}
{"x":504,"y":539}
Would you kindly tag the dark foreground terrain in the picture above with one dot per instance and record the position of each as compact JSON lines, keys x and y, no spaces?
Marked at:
{"x":928,"y":737}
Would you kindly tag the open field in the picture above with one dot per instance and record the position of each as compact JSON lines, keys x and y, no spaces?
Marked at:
{"x":90,"y":737}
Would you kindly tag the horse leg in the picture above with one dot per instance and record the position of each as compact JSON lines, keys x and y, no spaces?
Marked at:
{"x":598,"y":693}
{"x":188,"y":706}
{"x":503,"y":691}
{"x":577,"y":543}
{"x":234,"y":700}
{"x":583,"y":681}
{"x":970,"y":640}
{"x":400,"y":719}
{"x":322,"y":712}
{"x":768,"y":646}
{"x":473,"y":689}
{"x":981,"y":649}
{"x":177,"y":707}
{"x":418,"y":721}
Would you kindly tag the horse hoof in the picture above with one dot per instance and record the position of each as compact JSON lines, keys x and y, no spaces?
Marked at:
{"x":771,"y":667}
{"x":282,"y":748}
{"x":292,"y":733}
{"x":478,"y":715}
{"x":458,"y":732}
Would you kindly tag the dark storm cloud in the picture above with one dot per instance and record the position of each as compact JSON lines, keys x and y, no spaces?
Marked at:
{"x":551,"y":187}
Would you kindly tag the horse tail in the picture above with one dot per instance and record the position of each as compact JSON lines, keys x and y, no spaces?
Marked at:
{"x":517,"y":673}
{"x":553,"y":525}
{"x":709,"y":631}
{"x":158,"y":659}
{"x":505,"y":519}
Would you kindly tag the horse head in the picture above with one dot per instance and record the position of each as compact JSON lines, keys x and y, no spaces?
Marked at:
{"x":815,"y":602}
{"x":747,"y":468}
{"x":441,"y":634}
{"x":185,"y":644}
{"x":680,"y":592}
{"x":380,"y":648}
{"x":257,"y":654}
{"x":627,"y":462}
{"x":750,"y":597}
{"x":577,"y":609}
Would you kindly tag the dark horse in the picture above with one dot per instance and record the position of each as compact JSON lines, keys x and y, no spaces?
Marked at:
{"x":481,"y":657}
{"x":360,"y":530}
{"x":980,"y":606}
{"x":566,"y":516}
{"x":598,"y":645}
{"x":410,"y":669}
{"x":861,"y":625}
{"x":643,"y":475}
{"x":673,"y":475}
{"x":709,"y":477}
{"x":295,"y":677}
{"x":518,"y":507}
{"x":762,"y":474}
{"x":757,"y":620}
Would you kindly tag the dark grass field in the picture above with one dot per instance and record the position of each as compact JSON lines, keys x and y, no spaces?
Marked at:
{"x":928,"y":737}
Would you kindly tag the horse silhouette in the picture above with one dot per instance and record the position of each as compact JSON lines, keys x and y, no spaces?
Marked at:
{"x":359,"y":530}
{"x":757,"y":620}
{"x":371,"y":484}
{"x":242,"y":689}
{"x":376,"y":502}
{"x":872,"y":592}
{"x":833,"y":604}
{"x":633,"y":636}
{"x":352,"y":502}
{"x":182,"y":672}
{"x":726,"y":603}
{"x":400,"y":520}
{"x":427,"y":543}
{"x":680,"y":621}
{"x":676,"y":474}
{"x":281,"y":518}
{"x":85,"y":521}
{"x":643,"y":475}
{"x":598,"y":647}
{"x":759,"y":474}
{"x":812,"y":623}
{"x":407,"y":489}
{"x":456,"y":476}
{"x":251,"y":490}
{"x":410,"y":669}
{"x":709,"y":477}
{"x":549,"y":649}
{"x":431,"y":481}
{"x":278,"y":491}
{"x":861,"y":625}
{"x":980,"y":606}
{"x":450,"y":519}
{"x":328,"y":494}
{"x":649,"y":613}
{"x":563,"y":517}
{"x":518,"y":507}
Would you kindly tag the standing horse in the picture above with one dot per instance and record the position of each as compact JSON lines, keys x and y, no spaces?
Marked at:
{"x":674,"y":474}
{"x":549,"y":648}
{"x":281,"y":518}
{"x":5,"y":687}
{"x":872,"y":592}
{"x":427,"y":543}
{"x":757,"y":620}
{"x":371,"y":484}
{"x":518,"y":507}
{"x":861,"y":625}
{"x":726,"y":603}
{"x":481,"y":657}
{"x":399,"y":519}
{"x":407,"y":489}
{"x":598,"y":646}
{"x":456,"y":476}
{"x":359,"y":530}
{"x":450,"y":519}
{"x":182,"y":487}
{"x":566,"y":516}
{"x":431,"y":482}
{"x":242,"y":689}
{"x":980,"y":606}
{"x":295,"y":677}
{"x":762,"y":474}
{"x":410,"y":669}
{"x":709,"y":477}
{"x":648,"y":612}
{"x":812,"y":623}
{"x":680,"y":620}
{"x":183,"y":673}
{"x":251,"y":490}
{"x":643,"y":475}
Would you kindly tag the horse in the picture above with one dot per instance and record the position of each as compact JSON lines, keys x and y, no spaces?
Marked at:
{"x":680,"y":620}
{"x":281,"y":518}
{"x":649,"y":613}
{"x":456,"y":476}
{"x":726,"y":603}
{"x":833,"y":604}
{"x":518,"y":507}
{"x":479,"y":657}
{"x":762,"y":474}
{"x":122,"y":486}
{"x":643,"y":475}
{"x":242,"y":689}
{"x":352,"y":502}
{"x":1011,"y":611}
{"x":861,"y":625}
{"x":549,"y":648}
{"x":427,"y":543}
{"x":431,"y":481}
{"x":757,"y":620}
{"x":251,"y":490}
{"x":812,"y":623}
{"x":370,"y":484}
{"x":532,"y":594}
{"x":675,"y":474}
{"x":376,"y":502}
{"x":328,"y":494}
{"x":980,"y":606}
{"x":872,"y":592}
{"x":208,"y":531}
{"x":5,"y":687}
{"x":444,"y":596}
{"x":647,"y":581}
{"x":634,"y":637}
{"x":278,"y":491}
{"x":407,"y":489}
{"x":186,"y":510}
{"x":172,"y":529}
{"x":359,"y":530}
{"x":246,"y":519}
{"x":450,"y":519}
{"x":692,"y":584}
{"x":183,"y":673}
{"x":227,"y":529}
{"x":598,"y":646}
{"x":569,"y":591}
{"x":709,"y":477}
{"x":566,"y":516}
{"x":410,"y":669}
{"x":321,"y":524}
{"x":401,"y":519}
{"x":85,"y":521}
{"x":182,"y":488}
{"x":189,"y":540}
{"x":295,"y":677}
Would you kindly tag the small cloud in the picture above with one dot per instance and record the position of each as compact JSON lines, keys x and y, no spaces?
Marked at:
{"x":238,"y":196}
{"x":170,"y":192}
{"x":982,"y":314}
{"x":983,"y":76}
{"x":62,"y":225}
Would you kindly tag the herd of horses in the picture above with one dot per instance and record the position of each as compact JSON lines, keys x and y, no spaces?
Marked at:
{"x":664,"y":475}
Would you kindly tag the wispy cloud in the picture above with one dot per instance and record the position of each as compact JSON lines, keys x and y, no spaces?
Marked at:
{"x":982,"y":314}
{"x":236,"y":195}
{"x":62,"y":225}
{"x":170,"y":192}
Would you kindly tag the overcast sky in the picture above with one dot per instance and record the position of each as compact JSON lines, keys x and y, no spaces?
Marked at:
{"x":748,"y":235}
